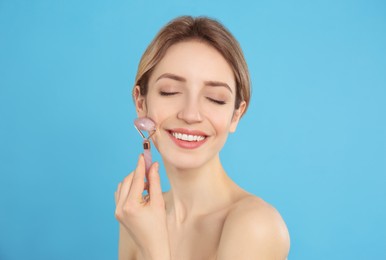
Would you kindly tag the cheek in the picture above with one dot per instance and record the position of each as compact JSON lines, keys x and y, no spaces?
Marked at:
{"x":220,"y":118}
{"x":159,"y":109}
{"x":221,"y":126}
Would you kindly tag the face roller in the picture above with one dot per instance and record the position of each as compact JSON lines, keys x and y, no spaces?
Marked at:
{"x":145,"y":124}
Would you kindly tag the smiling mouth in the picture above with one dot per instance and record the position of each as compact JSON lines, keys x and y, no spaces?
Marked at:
{"x":188,"y":138}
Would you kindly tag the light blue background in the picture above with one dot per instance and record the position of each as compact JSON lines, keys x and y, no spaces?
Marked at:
{"x":313,"y":143}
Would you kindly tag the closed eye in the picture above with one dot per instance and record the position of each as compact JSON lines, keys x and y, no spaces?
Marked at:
{"x":164,"y":93}
{"x":216,"y":101}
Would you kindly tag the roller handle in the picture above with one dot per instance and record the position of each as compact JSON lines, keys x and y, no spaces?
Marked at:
{"x":147,"y":156}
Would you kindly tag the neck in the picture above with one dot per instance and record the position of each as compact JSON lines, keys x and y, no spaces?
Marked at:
{"x":197,"y":191}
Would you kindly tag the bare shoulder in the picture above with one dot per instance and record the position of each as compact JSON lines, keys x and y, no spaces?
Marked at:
{"x":253,"y":229}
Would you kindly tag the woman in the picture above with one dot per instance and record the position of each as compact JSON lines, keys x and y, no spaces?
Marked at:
{"x":193,"y":82}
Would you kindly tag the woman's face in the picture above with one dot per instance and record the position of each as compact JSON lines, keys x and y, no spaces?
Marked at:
{"x":191,"y":98}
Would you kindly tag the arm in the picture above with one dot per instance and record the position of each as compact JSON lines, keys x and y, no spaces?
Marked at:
{"x":254,"y":232}
{"x":126,"y":247}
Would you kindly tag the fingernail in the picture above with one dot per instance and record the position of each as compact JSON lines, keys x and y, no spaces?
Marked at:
{"x":139,"y":159}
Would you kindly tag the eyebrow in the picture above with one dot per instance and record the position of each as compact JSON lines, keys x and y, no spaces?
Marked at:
{"x":218,"y":84}
{"x":171,"y":76}
{"x":206,"y":83}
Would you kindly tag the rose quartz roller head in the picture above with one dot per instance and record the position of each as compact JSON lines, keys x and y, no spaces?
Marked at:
{"x":145,"y":124}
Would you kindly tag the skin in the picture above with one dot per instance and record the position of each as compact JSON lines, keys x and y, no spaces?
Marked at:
{"x":205,"y":215}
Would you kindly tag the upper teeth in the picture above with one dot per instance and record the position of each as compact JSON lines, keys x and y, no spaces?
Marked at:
{"x":186,"y":137}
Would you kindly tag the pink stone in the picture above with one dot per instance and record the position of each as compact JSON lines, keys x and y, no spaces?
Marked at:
{"x":144,"y":124}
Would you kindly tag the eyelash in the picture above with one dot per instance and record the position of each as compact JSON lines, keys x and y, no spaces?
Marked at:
{"x":219,"y":102}
{"x":163,"y":93}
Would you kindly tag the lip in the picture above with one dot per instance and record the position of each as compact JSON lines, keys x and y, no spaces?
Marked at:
{"x":187,"y":144}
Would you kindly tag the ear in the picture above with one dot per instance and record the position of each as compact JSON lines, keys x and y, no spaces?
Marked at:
{"x":236,"y":116}
{"x":140,"y":102}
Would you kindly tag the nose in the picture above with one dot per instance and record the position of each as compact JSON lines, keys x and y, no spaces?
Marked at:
{"x":190,"y":112}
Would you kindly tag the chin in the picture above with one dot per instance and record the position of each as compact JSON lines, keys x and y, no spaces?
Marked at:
{"x":188,"y":159}
{"x":185,"y":163}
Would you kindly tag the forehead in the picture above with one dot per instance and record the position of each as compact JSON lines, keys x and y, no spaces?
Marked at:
{"x":195,"y":61}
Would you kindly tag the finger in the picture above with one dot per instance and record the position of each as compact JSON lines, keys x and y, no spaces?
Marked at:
{"x":138,"y":183}
{"x":155,"y":189}
{"x":124,"y":189}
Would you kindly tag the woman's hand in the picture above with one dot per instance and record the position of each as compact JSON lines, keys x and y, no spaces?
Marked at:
{"x":144,"y":218}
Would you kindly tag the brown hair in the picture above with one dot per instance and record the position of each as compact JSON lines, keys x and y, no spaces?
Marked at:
{"x":204,"y":29}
